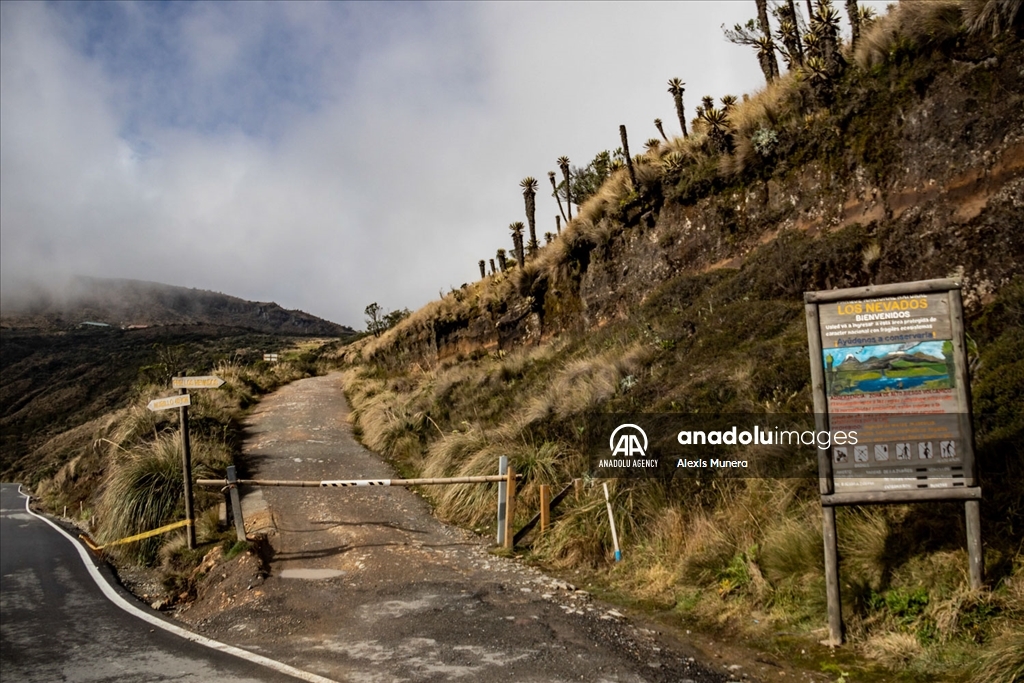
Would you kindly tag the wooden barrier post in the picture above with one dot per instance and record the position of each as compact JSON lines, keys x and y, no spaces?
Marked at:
{"x":510,"y":507}
{"x":832,"y":598}
{"x":502,"y":470}
{"x":974,"y":553}
{"x":550,"y":507}
{"x":186,"y":462}
{"x":236,"y":503}
{"x":545,"y":507}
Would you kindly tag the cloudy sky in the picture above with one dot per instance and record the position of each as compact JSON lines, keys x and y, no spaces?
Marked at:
{"x":322,"y":156}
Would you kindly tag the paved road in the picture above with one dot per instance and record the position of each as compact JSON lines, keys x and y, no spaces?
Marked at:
{"x":57,"y":625}
{"x":367,"y":586}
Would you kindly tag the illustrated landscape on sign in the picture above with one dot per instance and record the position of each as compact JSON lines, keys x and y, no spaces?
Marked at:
{"x":888,"y":367}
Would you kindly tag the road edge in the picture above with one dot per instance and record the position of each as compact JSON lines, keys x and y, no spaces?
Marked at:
{"x":121,"y":602}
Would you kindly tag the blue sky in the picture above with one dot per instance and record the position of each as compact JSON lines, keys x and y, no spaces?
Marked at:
{"x":321,"y":155}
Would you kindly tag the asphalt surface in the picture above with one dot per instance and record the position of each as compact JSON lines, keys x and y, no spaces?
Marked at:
{"x":366,"y":585}
{"x":57,"y":625}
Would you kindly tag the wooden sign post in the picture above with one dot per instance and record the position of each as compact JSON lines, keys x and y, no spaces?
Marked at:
{"x":186,"y":462}
{"x":889,"y":364}
{"x":182,"y":402}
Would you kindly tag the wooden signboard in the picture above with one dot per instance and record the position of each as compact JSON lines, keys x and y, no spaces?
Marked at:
{"x":197,"y":382}
{"x":169,"y":402}
{"x":889,"y":363}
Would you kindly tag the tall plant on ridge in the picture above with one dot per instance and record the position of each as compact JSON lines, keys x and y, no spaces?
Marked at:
{"x":766,"y":34}
{"x":789,"y":33}
{"x":676,"y":87}
{"x":758,"y":36}
{"x":529,"y":185}
{"x":563,"y":163}
{"x":853,"y":12}
{"x":517,"y":242}
{"x":558,"y":198}
{"x":625,"y":152}
{"x":661,"y":129}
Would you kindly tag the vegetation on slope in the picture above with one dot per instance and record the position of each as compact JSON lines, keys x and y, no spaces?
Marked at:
{"x":680,"y":292}
{"x":88,"y":446}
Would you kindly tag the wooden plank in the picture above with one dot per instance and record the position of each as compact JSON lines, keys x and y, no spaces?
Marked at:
{"x":825,"y":483}
{"x":907,"y":496}
{"x":502,"y":472}
{"x":896,"y":289}
{"x":510,"y":507}
{"x":186,"y":465}
{"x":521,"y":534}
{"x":545,"y":509}
{"x":236,"y":504}
{"x":169,"y":402}
{"x":963,"y":386}
{"x":197,"y":382}
{"x":975,"y":557}
{"x":834,"y":603}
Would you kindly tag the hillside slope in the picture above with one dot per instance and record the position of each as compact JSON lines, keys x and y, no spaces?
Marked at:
{"x":681,"y":293}
{"x":72,"y":357}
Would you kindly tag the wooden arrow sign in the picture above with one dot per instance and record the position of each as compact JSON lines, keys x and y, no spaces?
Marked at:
{"x":201,"y":382}
{"x":169,"y":402}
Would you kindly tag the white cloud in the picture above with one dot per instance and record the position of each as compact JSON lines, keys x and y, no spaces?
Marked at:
{"x":323,"y":156}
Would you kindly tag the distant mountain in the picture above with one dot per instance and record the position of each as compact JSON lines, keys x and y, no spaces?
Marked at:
{"x":887,"y":362}
{"x":136,"y":303}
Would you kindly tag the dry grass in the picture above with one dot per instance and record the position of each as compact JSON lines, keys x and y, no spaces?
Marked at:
{"x":917,"y":23}
{"x":893,"y":650}
{"x":766,"y":110}
{"x":143,"y":491}
{"x":792,"y":549}
{"x":391,"y":424}
{"x":606,"y":200}
{"x":950,"y":612}
{"x":864,"y":544}
{"x":584,"y":384}
{"x":581,"y":537}
{"x":1003,"y":659}
{"x":992,"y":15}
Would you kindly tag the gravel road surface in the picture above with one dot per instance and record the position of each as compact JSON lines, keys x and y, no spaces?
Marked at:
{"x":365,"y":585}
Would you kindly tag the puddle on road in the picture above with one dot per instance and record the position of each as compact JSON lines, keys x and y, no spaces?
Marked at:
{"x":311,"y":574}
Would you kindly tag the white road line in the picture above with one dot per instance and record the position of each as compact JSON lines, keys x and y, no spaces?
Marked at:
{"x":113,"y":596}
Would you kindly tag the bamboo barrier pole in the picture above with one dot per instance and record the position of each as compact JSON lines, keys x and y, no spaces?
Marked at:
{"x":335,"y":483}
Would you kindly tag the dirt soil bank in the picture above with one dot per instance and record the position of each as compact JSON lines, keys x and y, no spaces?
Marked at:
{"x":366,"y":585}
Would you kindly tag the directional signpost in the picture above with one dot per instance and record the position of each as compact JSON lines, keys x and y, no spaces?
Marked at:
{"x":182,"y":402}
{"x":201,"y":382}
{"x":170,"y":402}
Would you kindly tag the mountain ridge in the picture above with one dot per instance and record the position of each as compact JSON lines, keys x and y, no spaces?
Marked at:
{"x":129,"y":304}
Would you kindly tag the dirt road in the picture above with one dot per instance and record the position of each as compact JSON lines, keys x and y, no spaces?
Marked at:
{"x":366,"y":585}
